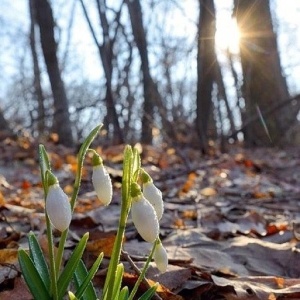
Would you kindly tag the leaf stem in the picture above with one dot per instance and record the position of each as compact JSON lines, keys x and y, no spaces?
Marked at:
{"x":81,"y":155}
{"x":125,"y":206}
{"x":143,"y":272}
{"x":45,"y":167}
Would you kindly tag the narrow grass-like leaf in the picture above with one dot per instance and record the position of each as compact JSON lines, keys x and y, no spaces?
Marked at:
{"x":68,"y":272}
{"x":124,"y":293}
{"x":87,"y":142}
{"x":44,"y":162}
{"x":79,"y":276}
{"x":149,"y":293}
{"x":38,"y":259}
{"x":136,"y":165}
{"x":118,"y":281}
{"x":86,"y":288}
{"x":127,"y":172}
{"x":81,"y":155}
{"x":32,"y":278}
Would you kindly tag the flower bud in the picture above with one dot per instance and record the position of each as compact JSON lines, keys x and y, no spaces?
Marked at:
{"x":154,"y":196}
{"x":152,"y":193}
{"x":101,"y":181}
{"x":160,"y":257}
{"x":58,"y":207}
{"x":144,"y":216}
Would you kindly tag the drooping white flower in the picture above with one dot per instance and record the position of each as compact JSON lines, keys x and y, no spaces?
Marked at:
{"x":152,"y":193}
{"x":154,"y":196}
{"x":101,"y":180}
{"x":160,"y":257}
{"x":58,"y":207}
{"x":144,"y":216}
{"x":102,"y":184}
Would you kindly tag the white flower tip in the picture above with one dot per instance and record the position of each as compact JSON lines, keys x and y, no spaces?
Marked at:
{"x":102,"y":184}
{"x":154,"y":196}
{"x":145,"y":219}
{"x":161,"y":258}
{"x":58,"y":208}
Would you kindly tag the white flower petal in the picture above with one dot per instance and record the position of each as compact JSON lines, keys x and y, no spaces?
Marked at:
{"x":145,"y":219}
{"x":102,"y":184}
{"x":160,"y":257}
{"x":154,"y":196}
{"x":58,"y":207}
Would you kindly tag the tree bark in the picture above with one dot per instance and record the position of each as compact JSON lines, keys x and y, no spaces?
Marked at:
{"x":136,"y":18}
{"x":5,"y":130}
{"x":61,"y":119}
{"x":263,"y":82}
{"x":38,"y":91}
{"x":206,"y":59}
{"x":107,"y":56}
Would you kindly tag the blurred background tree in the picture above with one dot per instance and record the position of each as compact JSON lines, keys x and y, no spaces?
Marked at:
{"x":152,"y":71}
{"x":264,"y":85}
{"x":61,"y":117}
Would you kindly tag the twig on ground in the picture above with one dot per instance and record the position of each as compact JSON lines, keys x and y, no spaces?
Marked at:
{"x":127,"y":257}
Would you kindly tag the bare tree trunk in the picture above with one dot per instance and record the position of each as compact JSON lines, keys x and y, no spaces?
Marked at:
{"x":136,"y":18}
{"x":223,"y":95}
{"x":61,"y":120}
{"x":5,"y":129}
{"x":107,"y":56}
{"x":205,"y":69}
{"x":152,"y":97}
{"x":263,"y":81}
{"x":36,"y":70}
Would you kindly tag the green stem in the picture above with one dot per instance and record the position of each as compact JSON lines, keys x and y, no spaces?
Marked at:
{"x":110,"y":278}
{"x":76,"y":186}
{"x":125,"y":206}
{"x":64,"y":234}
{"x":143,"y":272}
{"x":53,"y":273}
{"x":45,"y":167}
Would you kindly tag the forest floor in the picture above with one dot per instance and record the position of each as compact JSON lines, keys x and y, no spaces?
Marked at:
{"x":230,"y":225}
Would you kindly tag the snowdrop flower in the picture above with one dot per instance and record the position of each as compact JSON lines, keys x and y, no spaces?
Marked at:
{"x":143,"y":215}
{"x":101,"y":181}
{"x":160,"y":257}
{"x":58,"y":206}
{"x":152,"y":194}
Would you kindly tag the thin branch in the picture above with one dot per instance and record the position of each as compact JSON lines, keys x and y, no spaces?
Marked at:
{"x":90,"y":24}
{"x":266,"y":112}
{"x":126,"y":256}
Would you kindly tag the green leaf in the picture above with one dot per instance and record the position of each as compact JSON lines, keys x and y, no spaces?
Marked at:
{"x":136,"y":164}
{"x":127,"y":172}
{"x":118,"y":281}
{"x":79,"y":276}
{"x":149,"y":293}
{"x":84,"y":279}
{"x":87,"y":142}
{"x":44,"y":162}
{"x":124,"y":293}
{"x":69,"y":270}
{"x":38,"y":259}
{"x":32,"y":278}
{"x":81,"y":155}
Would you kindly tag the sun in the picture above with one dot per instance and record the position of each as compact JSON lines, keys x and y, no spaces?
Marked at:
{"x":228,"y":35}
